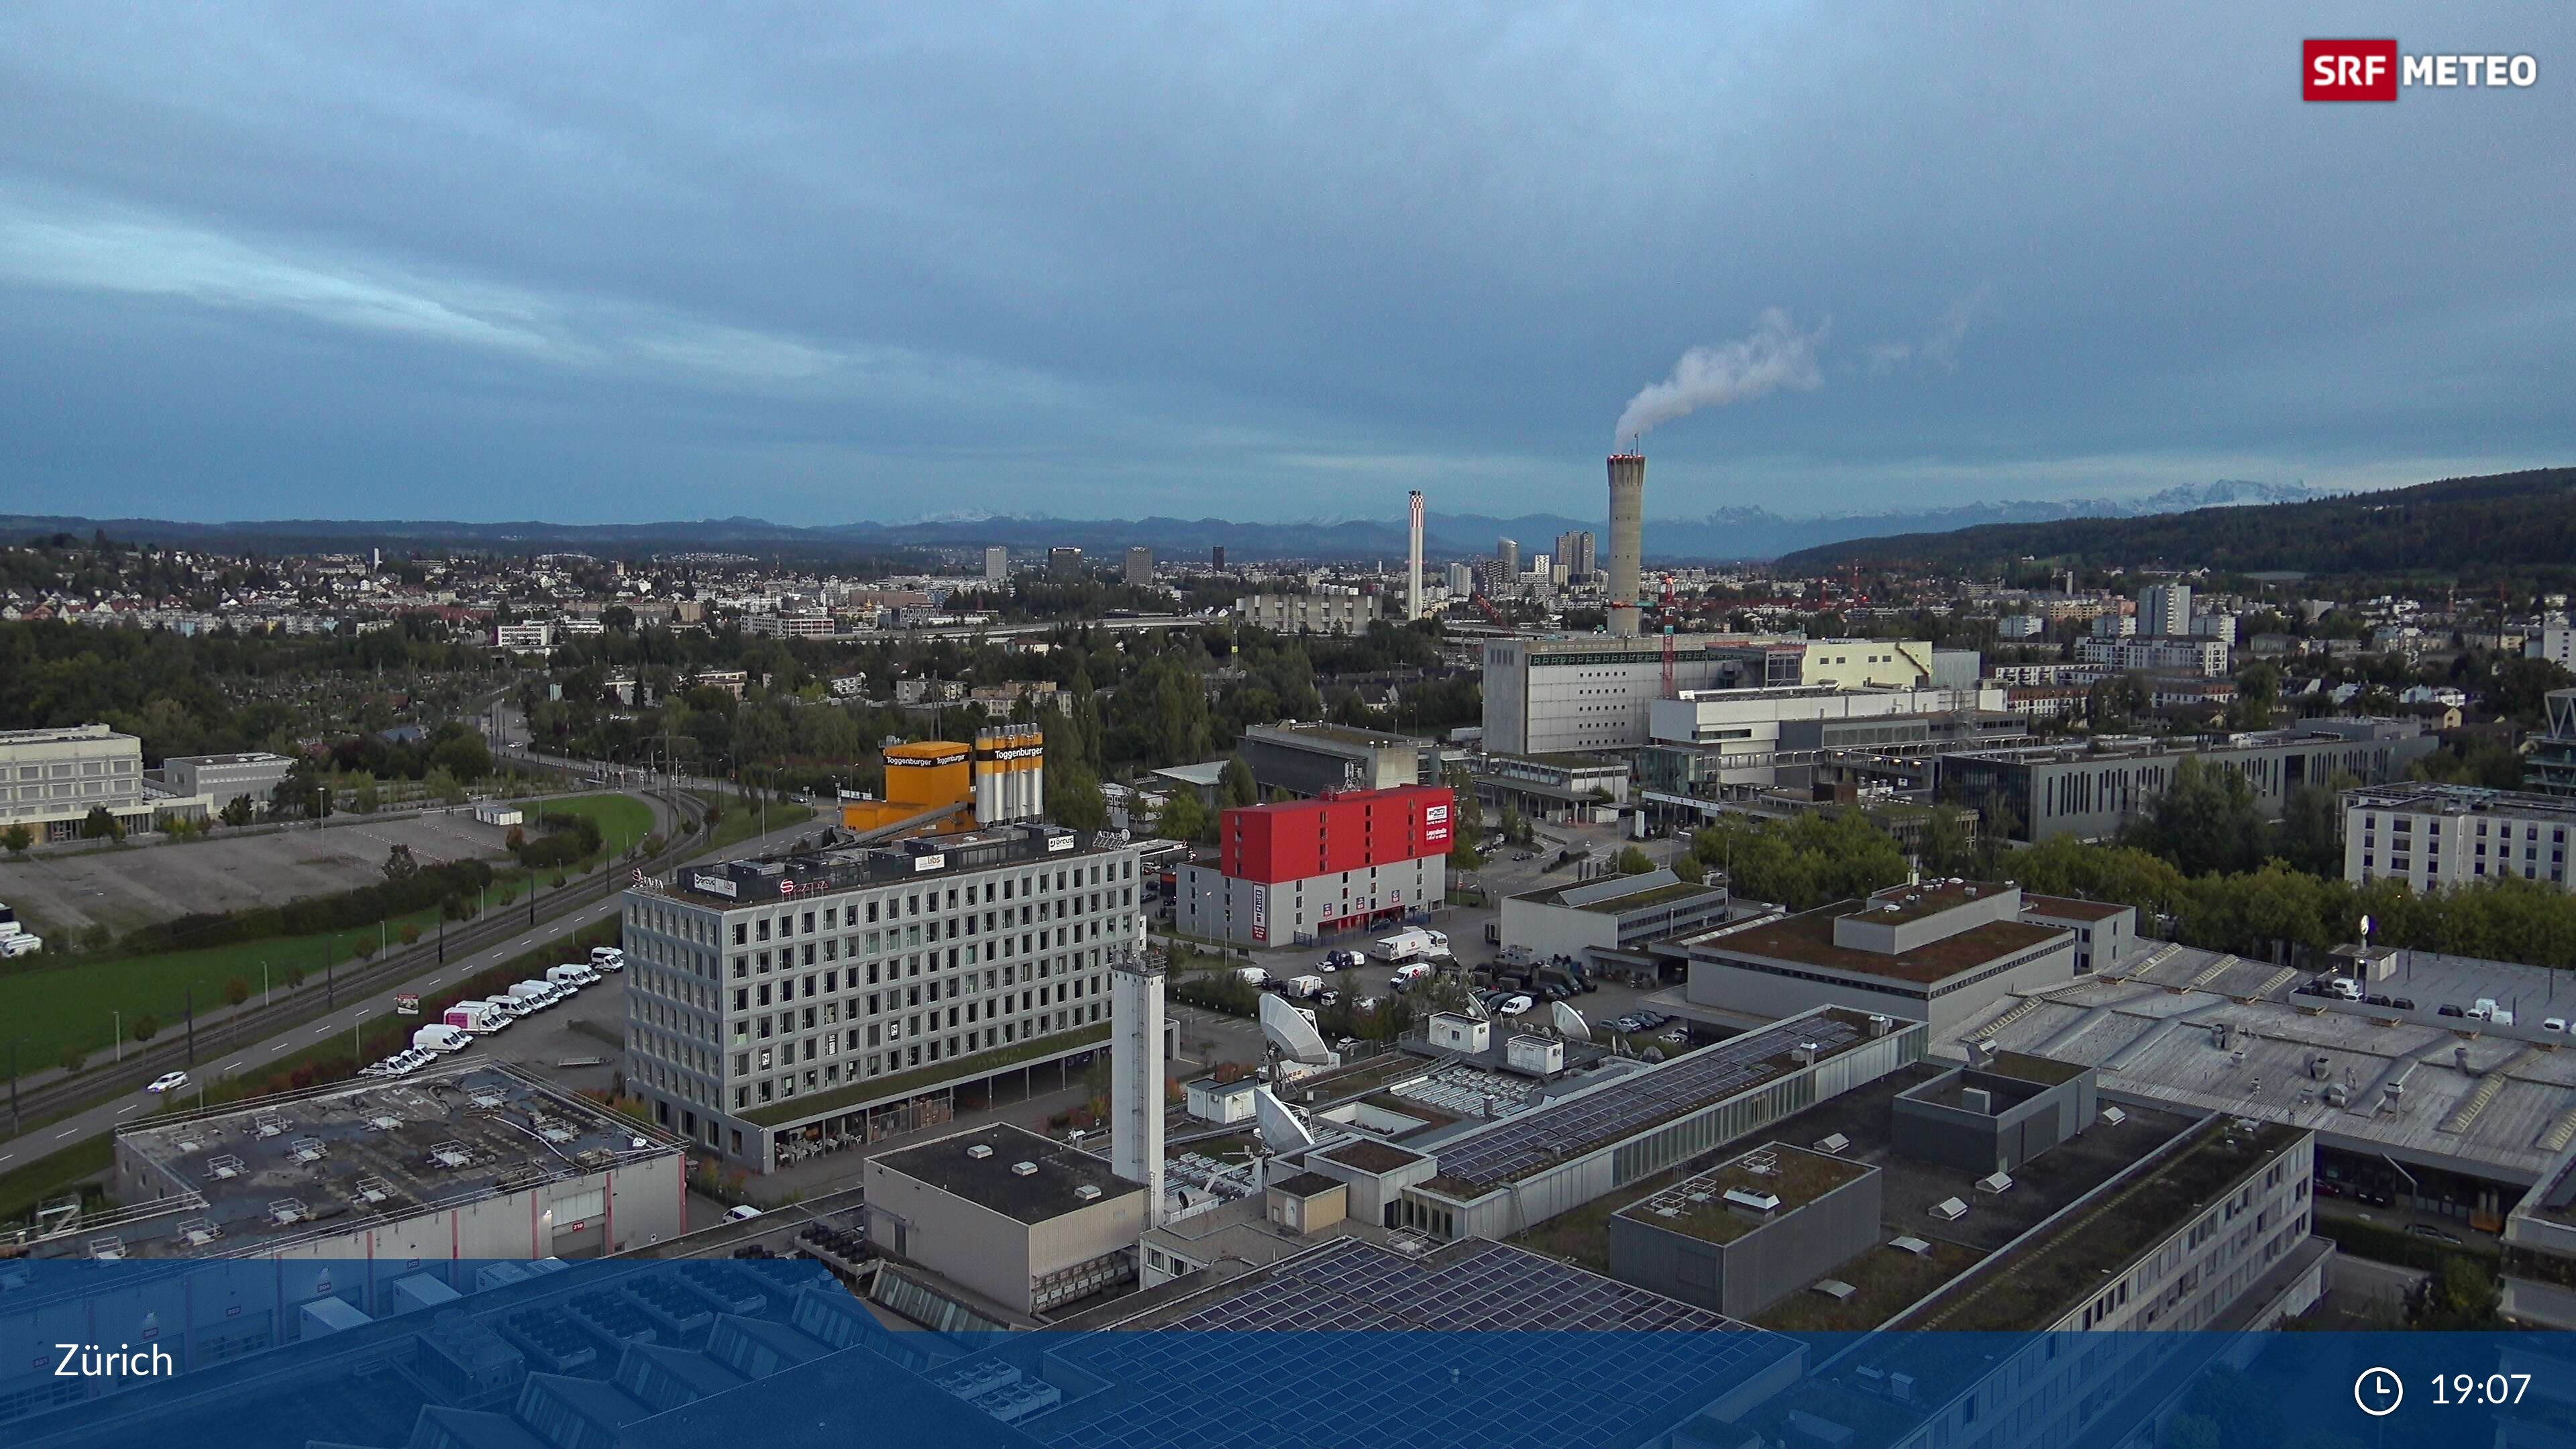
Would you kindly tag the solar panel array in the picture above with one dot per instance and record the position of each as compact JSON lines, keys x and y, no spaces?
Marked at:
{"x":1424,"y":1390}
{"x":1517,"y":1145}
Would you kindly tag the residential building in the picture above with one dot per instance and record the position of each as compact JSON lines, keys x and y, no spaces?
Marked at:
{"x":2445,"y":836}
{"x":1064,"y":560}
{"x":2145,"y":655}
{"x":1140,"y":567}
{"x":1330,"y":609}
{"x":51,"y":779}
{"x":1507,"y":557}
{"x":523,"y":638}
{"x":2020,"y":626}
{"x":1461,"y":579}
{"x":2555,"y":642}
{"x":2039,"y":792}
{"x":1302,"y":870}
{"x":1575,"y":551}
{"x":2165,"y":610}
{"x":846,"y":993}
{"x":997,"y":564}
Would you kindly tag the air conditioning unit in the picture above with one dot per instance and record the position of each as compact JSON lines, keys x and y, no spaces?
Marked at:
{"x":979,"y":1152}
{"x":1024,"y":1169}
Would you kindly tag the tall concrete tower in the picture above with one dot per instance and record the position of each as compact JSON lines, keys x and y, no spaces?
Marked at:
{"x":1413,"y":563}
{"x":1627,"y":539}
{"x":1136,"y":1074}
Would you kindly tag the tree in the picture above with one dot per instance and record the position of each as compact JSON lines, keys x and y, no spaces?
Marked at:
{"x":409,"y":935}
{"x":100,"y":825}
{"x":399,"y":865}
{"x":1183,"y":818}
{"x":442,"y":786}
{"x":463,"y":754}
{"x":1235,"y":787}
{"x":145,"y":1026}
{"x":1688,"y":868}
{"x":18,"y":839}
{"x":1635,"y":861}
{"x":237,"y":811}
{"x":2206,"y":820}
{"x":236,"y":991}
{"x":1073,"y":797}
{"x":73,"y":1059}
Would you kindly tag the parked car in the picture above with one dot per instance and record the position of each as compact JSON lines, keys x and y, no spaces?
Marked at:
{"x":2427,"y":1230}
{"x":1328,"y":997}
{"x":741,"y":1212}
{"x":1524,"y":855}
{"x":168,"y":1082}
{"x":1677,"y":1035}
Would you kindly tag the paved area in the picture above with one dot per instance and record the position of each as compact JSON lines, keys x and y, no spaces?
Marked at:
{"x":137,"y":885}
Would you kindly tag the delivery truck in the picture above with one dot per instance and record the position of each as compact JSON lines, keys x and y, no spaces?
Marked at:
{"x":1407,"y":944}
{"x":480,"y":1018}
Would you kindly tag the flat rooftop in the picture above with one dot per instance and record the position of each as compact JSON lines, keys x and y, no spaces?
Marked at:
{"x":1370,"y":1156}
{"x":2068,"y":908}
{"x":1808,"y":939}
{"x":1474,"y":1163}
{"x":2037,"y":1284}
{"x":1603,"y":896}
{"x":1698,"y":1205}
{"x":1049,"y":1189}
{"x":831,"y":870}
{"x":265,"y":1173}
{"x":2425,"y":1089}
{"x":2463,"y":800}
{"x":1340,"y":735}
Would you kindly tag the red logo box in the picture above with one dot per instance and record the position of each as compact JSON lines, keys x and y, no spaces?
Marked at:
{"x":2348,"y":70}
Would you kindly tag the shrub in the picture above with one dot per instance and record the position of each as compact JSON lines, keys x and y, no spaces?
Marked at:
{"x":73,"y":1059}
{"x":236,"y":991}
{"x":410,"y":934}
{"x":144,"y":1027}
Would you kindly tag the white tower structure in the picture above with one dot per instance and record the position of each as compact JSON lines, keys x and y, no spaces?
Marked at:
{"x":1413,"y":563}
{"x":1136,"y":1076}
{"x":1627,"y":539}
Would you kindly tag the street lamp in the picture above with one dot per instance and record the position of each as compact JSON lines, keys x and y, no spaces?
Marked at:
{"x":118,"y":1018}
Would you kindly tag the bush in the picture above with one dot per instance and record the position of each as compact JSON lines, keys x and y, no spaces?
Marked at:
{"x":97,"y":938}
{"x":145,"y":1027}
{"x":410,"y":934}
{"x":362,"y":950}
{"x":294,"y":977}
{"x":236,"y":991}
{"x":73,"y":1059}
{"x":347,"y":911}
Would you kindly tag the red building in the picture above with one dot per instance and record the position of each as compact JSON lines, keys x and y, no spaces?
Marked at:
{"x":1302,"y":870}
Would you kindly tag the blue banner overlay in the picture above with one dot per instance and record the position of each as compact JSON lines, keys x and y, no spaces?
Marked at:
{"x":776,"y":1352}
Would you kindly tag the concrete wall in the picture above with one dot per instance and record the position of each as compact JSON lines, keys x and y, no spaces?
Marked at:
{"x":1996,"y":1141}
{"x":986,"y":1251}
{"x":1743,"y":1277}
{"x":1549,"y":930}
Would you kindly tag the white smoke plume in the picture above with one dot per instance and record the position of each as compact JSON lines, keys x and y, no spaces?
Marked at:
{"x":1774,"y":356}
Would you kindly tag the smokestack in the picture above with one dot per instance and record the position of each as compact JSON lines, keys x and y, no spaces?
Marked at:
{"x":1627,"y":539}
{"x":1413,"y":563}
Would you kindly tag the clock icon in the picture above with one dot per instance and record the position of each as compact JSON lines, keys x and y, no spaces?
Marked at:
{"x":2378,"y":1391}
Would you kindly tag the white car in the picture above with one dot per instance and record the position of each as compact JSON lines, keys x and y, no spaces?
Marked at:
{"x":741,"y":1213}
{"x":168,"y":1082}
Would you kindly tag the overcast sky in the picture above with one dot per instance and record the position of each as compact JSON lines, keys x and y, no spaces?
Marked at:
{"x":642,"y":261}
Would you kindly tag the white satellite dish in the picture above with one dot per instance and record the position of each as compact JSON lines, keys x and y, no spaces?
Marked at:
{"x":1569,"y":1022}
{"x":1280,"y":1129}
{"x":1288,"y":1029}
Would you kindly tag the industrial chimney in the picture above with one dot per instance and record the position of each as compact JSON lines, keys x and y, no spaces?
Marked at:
{"x":1136,"y":1074}
{"x":1627,"y":538}
{"x":1413,"y":563}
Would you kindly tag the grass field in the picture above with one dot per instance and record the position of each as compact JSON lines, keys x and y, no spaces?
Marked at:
{"x":79,"y":1003}
{"x":741,"y":822}
{"x":25,"y":1187}
{"x":622,"y":819}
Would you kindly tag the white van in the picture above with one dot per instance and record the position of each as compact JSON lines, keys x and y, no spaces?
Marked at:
{"x":571,"y":977}
{"x":607,"y":958}
{"x":441,"y":1039}
{"x":1251,"y":975}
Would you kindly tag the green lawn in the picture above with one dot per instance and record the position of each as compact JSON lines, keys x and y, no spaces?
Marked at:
{"x":743,"y":821}
{"x":25,"y":1187}
{"x":622,"y":819}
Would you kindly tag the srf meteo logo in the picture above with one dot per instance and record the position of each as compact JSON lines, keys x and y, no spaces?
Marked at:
{"x":2372,"y":70}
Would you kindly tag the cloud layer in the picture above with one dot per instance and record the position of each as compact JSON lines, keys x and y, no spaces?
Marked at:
{"x":649,"y":260}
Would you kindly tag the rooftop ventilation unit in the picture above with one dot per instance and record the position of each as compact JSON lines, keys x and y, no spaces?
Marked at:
{"x":2113,"y":1116}
{"x":2000,"y":1182}
{"x":107,"y":1250}
{"x":1835,"y":1145}
{"x":1900,"y":1387}
{"x":1087,"y":1193}
{"x":451,"y":1155}
{"x":374,"y":1189}
{"x":224,"y":1168}
{"x":1804,"y":1054}
{"x":1024,"y":1169}
{"x":979,"y":1152}
{"x":1835,"y":1289}
{"x":286,"y":1212}
{"x":1910,"y":1244}
{"x":308,"y":1149}
{"x":1949,"y":1210}
{"x":1878,"y":1025}
{"x":198,"y":1232}
{"x":1977,"y":1100}
{"x":1760,"y":1202}
{"x":384,"y":1124}
{"x":267,"y":1124}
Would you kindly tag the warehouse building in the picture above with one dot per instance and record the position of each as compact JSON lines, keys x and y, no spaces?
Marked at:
{"x":222,"y":779}
{"x":1018,"y":1218}
{"x":1308,"y":759}
{"x":794,"y":1003}
{"x":1750,"y":1231}
{"x":51,"y":779}
{"x":1614,"y":913}
{"x":1303,"y":870}
{"x":2091,"y":790}
{"x":1551,"y":696}
{"x":1935,"y":953}
{"x":2105,"y":934}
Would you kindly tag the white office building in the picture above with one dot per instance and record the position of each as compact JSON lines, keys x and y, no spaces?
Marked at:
{"x":2145,"y":654}
{"x":2433,"y":836}
{"x":50,"y":779}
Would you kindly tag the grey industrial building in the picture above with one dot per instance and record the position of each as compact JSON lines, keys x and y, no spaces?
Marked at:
{"x":845,"y":992}
{"x":1548,"y":696}
{"x":1936,"y":953}
{"x":1996,"y":1113}
{"x":2106,"y":934}
{"x":1613,"y":913}
{"x":1311,"y":759}
{"x":1750,"y":1231}
{"x":1018,"y":1218}
{"x":223,"y":779}
{"x":2091,"y":790}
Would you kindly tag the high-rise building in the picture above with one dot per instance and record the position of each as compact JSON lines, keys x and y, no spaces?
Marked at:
{"x":1574,"y":550}
{"x":1413,"y":561}
{"x":1140,"y":566}
{"x":1064,"y":560}
{"x":1507,"y":552}
{"x":997,"y":564}
{"x":1216,"y":556}
{"x":1462,"y":579}
{"x":2164,"y":610}
{"x":1627,"y":539}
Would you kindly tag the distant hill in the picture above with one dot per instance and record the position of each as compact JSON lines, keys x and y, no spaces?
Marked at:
{"x":1728,"y":535}
{"x":2469,"y":525}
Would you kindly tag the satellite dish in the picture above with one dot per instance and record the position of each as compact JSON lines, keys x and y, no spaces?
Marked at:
{"x":1569,"y":1022}
{"x":1280,"y":1129}
{"x":1288,"y":1029}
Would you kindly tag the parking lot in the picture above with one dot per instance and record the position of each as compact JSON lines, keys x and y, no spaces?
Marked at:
{"x":129,"y":886}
